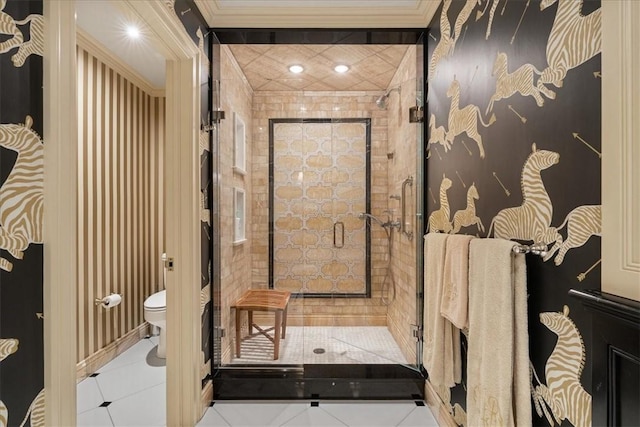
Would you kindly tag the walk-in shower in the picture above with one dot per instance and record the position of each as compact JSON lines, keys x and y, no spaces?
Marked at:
{"x":326,"y":158}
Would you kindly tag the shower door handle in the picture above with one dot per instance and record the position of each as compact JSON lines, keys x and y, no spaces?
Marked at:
{"x":335,"y":240}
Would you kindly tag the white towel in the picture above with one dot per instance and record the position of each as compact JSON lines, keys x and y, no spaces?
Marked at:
{"x":441,"y":351}
{"x":498,"y":356}
{"x":455,"y":294}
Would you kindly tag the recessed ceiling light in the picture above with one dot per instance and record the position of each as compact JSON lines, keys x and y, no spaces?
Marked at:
{"x":341,"y":68}
{"x":296,"y":69}
{"x":133,"y":31}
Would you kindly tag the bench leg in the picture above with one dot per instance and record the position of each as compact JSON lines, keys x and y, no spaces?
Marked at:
{"x":276,"y":338}
{"x":250,"y":321}
{"x":238,"y":329}
{"x":284,"y":322}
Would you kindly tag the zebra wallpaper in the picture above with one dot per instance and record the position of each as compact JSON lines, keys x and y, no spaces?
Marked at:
{"x":514,"y":152}
{"x":21,"y":203}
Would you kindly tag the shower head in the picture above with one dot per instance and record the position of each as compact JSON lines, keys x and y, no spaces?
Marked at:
{"x":364,"y":215}
{"x":381,"y":102}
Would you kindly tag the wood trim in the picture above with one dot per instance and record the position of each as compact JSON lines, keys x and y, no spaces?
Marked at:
{"x":60,"y":213}
{"x":104,"y":55}
{"x":417,"y":16}
{"x":182,"y":231}
{"x":91,"y":364}
{"x":438,"y":407}
{"x":620,"y":150}
{"x":206,"y":397}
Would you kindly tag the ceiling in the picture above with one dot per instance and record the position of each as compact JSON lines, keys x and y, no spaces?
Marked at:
{"x":106,"y":22}
{"x":372,"y":66}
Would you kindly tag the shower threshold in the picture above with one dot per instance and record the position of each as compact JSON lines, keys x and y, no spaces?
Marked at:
{"x":319,"y":381}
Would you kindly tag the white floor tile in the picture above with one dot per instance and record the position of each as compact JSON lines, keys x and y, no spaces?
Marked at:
{"x":212,"y":418}
{"x":134,"y":354}
{"x":129,"y":379}
{"x":146,"y":408}
{"x":89,"y":396}
{"x":98,"y":417}
{"x":370,"y":414}
{"x":254,"y":413}
{"x":314,"y":417}
{"x":421,"y":416}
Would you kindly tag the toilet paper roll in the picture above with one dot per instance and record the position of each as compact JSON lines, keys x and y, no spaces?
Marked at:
{"x":111,"y":301}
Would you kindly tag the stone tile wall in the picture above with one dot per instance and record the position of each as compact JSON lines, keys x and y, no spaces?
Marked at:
{"x":273,"y":105}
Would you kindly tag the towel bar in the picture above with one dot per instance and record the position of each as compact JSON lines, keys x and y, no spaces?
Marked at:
{"x":536,"y":249}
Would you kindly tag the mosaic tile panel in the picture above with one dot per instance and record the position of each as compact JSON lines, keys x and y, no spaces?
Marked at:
{"x":319,"y":189}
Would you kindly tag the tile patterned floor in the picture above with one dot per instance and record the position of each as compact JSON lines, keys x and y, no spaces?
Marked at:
{"x":130,"y":391}
{"x":345,"y":344}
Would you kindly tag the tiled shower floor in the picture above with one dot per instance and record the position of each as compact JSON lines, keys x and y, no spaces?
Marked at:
{"x":324,"y":344}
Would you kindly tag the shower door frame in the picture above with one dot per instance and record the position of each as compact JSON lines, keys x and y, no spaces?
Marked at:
{"x":367,"y":123}
{"x":329,"y":381}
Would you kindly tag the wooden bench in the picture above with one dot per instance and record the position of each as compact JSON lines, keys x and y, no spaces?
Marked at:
{"x":263,"y":300}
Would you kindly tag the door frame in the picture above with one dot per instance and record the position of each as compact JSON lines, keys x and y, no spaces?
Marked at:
{"x":182,"y":224}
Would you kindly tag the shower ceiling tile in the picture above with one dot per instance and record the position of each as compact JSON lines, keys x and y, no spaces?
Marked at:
{"x":393,"y":54}
{"x":266,"y":66}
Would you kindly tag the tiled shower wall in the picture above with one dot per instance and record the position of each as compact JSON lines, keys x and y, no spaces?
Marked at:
{"x":402,"y":143}
{"x":319,"y":187}
{"x":283,"y":104}
{"x":235,"y":265}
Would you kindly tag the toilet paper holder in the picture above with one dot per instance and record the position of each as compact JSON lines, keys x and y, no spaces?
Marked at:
{"x":101,"y":301}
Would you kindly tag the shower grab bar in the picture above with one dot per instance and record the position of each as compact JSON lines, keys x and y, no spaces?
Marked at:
{"x":335,"y":225}
{"x":536,"y":249}
{"x":403,"y":215}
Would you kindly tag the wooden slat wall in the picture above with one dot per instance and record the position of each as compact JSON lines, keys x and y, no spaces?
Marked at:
{"x":120,"y":218}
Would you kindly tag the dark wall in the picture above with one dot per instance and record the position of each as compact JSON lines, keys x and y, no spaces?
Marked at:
{"x":548,"y":99}
{"x":21,"y":306}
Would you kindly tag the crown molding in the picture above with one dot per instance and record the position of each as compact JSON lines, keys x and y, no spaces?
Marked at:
{"x":417,"y":16}
{"x":97,"y":49}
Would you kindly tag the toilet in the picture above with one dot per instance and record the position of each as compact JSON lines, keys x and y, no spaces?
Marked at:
{"x":155,"y":312}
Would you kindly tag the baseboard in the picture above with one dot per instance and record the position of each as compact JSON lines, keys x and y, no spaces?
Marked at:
{"x":91,"y":364}
{"x":206,"y":396}
{"x":438,"y":407}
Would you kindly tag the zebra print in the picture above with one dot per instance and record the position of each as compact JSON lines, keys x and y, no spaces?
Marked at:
{"x":446,"y":43}
{"x":21,"y":198}
{"x":36,"y":411}
{"x":532,"y":220}
{"x":520,"y":81}
{"x":8,"y":27}
{"x":4,"y":414}
{"x":463,"y":16}
{"x":574,"y":39}
{"x":583,"y":222}
{"x":563,"y":392}
{"x":437,"y":135}
{"x":8,"y":347}
{"x":464,"y":120}
{"x":491,"y":14}
{"x":35,"y":44}
{"x":439,"y":219}
{"x":467,"y":216}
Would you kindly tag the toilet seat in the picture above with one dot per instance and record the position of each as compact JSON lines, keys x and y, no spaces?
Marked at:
{"x":156,"y":302}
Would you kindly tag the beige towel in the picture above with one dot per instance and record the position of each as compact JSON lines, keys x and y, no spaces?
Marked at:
{"x":441,"y":351}
{"x":455,"y":294}
{"x":498,"y":356}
